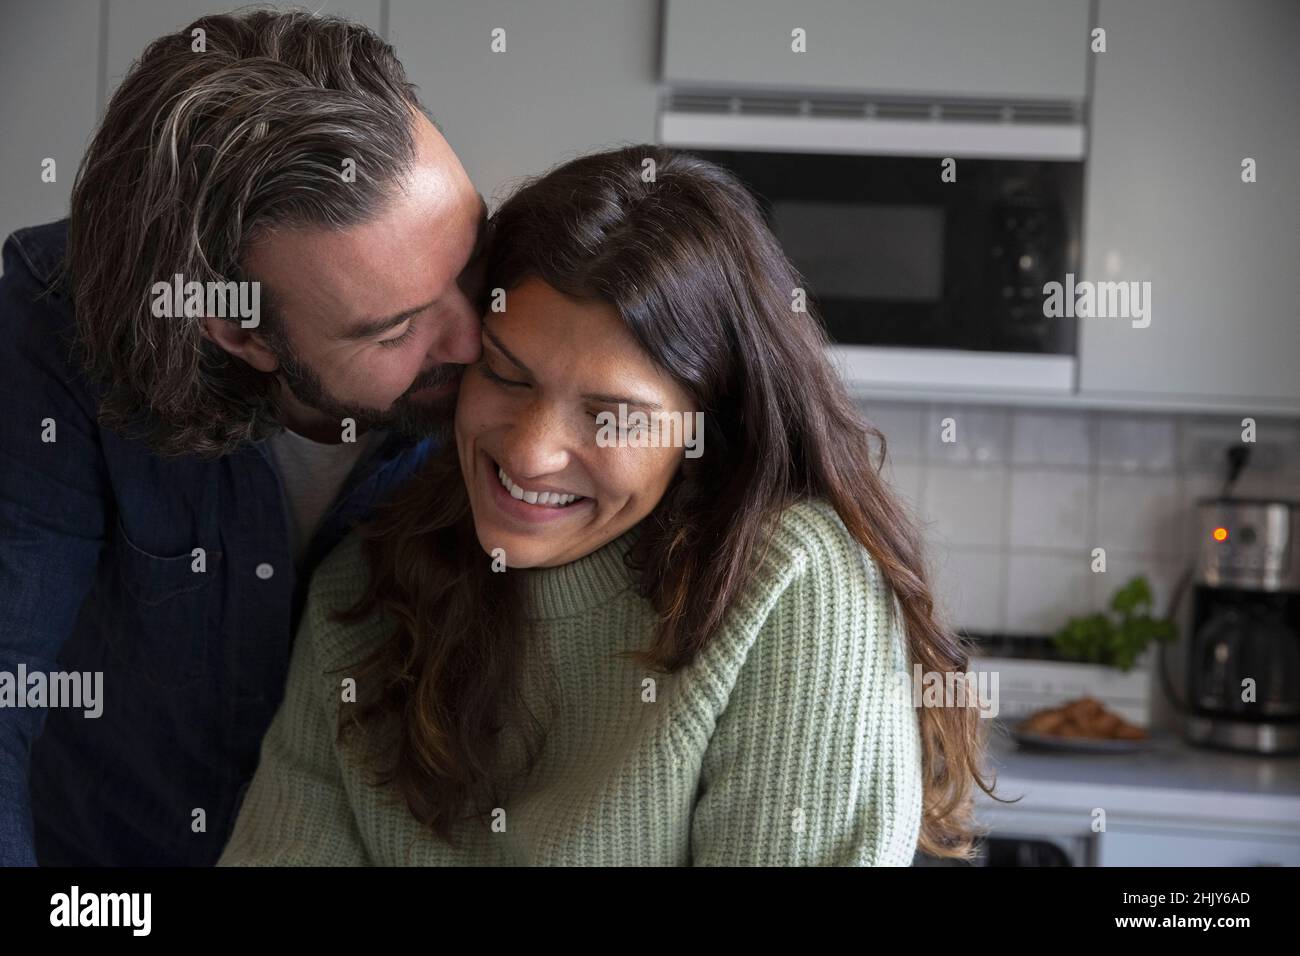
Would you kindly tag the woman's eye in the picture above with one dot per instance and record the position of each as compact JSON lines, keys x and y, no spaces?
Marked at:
{"x":492,"y":376}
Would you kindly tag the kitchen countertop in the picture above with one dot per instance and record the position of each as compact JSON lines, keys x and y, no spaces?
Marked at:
{"x":1170,"y":781}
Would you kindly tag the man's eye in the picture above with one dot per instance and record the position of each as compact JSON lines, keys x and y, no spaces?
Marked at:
{"x":398,"y":340}
{"x":492,"y":376}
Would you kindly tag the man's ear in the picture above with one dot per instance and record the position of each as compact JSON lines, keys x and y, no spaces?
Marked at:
{"x":240,"y":342}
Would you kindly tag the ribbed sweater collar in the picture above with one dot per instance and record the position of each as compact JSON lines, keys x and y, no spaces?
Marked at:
{"x":592,"y":580}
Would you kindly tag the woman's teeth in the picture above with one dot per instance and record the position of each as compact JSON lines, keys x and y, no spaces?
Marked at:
{"x":548,"y":499}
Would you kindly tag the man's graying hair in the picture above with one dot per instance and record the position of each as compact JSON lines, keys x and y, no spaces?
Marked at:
{"x":198,"y":153}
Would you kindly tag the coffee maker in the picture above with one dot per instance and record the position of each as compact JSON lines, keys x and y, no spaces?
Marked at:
{"x":1243,"y":665}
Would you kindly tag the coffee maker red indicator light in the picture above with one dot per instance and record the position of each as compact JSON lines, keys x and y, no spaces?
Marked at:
{"x":1220,"y":534}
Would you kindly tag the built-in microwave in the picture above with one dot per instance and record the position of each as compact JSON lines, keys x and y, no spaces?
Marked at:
{"x":925,"y":244}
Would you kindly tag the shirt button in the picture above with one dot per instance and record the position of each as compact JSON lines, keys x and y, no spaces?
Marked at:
{"x":264,"y":570}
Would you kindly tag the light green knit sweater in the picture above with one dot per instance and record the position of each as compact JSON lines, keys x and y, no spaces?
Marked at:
{"x":785,"y":742}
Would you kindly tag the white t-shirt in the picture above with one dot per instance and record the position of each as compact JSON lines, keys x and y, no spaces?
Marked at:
{"x":313,"y":473}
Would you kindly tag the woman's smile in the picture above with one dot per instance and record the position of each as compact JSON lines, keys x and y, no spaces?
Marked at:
{"x":523,"y":502}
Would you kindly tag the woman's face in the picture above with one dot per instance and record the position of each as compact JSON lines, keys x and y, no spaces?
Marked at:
{"x":529,"y":408}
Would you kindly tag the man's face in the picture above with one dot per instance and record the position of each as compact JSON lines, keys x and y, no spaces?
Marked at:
{"x":376,"y":322}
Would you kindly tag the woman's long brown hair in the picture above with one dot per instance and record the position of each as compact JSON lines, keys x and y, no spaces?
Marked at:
{"x":681,"y":250}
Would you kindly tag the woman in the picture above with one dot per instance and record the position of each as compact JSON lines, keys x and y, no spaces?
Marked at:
{"x":570,"y":642}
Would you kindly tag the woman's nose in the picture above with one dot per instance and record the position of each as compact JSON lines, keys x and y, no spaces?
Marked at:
{"x":538,"y":442}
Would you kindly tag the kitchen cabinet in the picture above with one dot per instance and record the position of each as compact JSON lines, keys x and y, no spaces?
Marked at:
{"x":1170,"y":805}
{"x":1145,"y":847}
{"x":1187,"y":90}
{"x":1002,"y":49}
{"x":49,"y":69}
{"x":573,"y":77}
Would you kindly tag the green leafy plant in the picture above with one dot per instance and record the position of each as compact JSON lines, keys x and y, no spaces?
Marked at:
{"x":1118,"y":637}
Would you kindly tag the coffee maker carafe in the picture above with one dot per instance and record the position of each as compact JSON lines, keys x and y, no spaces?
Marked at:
{"x":1243,"y":665}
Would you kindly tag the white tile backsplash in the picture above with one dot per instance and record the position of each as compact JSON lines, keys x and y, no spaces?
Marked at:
{"x":1051,"y":438}
{"x":1049,"y":509}
{"x":906,"y":479}
{"x":1044,"y":591}
{"x":969,"y":586}
{"x":1141,"y":444}
{"x":980,"y":435}
{"x":1012,"y":510}
{"x":901,"y":424}
{"x":965,"y":507}
{"x":1141,"y":514}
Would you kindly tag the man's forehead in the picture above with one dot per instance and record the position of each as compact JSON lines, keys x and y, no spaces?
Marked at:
{"x":405,"y":258}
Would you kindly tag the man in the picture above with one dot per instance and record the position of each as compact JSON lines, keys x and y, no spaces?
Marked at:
{"x":172,"y":466}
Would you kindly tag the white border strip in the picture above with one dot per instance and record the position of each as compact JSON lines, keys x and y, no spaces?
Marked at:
{"x":865,"y":366}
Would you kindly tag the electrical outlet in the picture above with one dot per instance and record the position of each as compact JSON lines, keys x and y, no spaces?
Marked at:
{"x":1206,"y":445}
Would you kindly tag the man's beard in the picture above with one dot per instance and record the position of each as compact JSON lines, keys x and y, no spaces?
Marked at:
{"x":413,"y":419}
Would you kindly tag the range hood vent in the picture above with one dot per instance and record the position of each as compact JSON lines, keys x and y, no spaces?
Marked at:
{"x":871,"y":107}
{"x":874,"y":125}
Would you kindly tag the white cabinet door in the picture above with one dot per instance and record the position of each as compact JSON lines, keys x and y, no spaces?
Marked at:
{"x":575,"y":75}
{"x":1187,"y":90}
{"x":1033,"y":49}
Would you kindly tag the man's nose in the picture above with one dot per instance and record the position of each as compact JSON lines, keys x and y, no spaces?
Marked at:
{"x":459,"y":336}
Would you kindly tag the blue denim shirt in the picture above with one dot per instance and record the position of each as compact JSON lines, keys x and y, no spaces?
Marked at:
{"x":96,"y":542}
